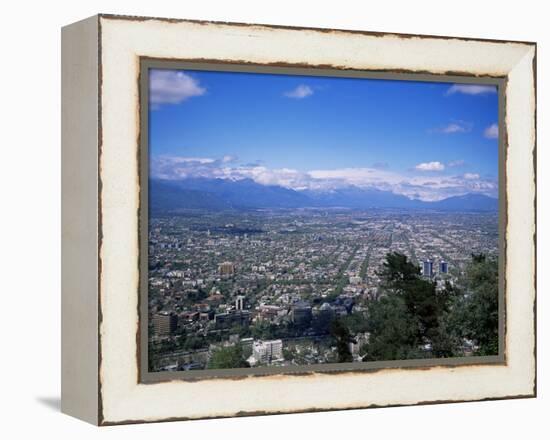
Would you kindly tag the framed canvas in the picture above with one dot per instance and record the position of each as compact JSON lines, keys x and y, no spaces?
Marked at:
{"x":262,"y":219}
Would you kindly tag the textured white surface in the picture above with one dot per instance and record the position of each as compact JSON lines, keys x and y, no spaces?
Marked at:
{"x":31,"y":219}
{"x":123,"y":398}
{"x":79,"y":366}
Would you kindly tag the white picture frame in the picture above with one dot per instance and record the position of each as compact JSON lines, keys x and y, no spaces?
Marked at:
{"x":101,"y":380}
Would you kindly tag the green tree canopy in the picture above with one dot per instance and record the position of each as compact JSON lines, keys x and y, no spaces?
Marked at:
{"x":394,"y":332}
{"x":476,"y":315}
{"x":414,"y":319}
{"x":401,"y":277}
{"x":397,"y":271}
{"x":342,"y":337}
{"x":228,"y":357}
{"x":412,"y":315}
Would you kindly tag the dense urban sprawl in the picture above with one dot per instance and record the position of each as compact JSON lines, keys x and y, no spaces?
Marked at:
{"x":264,"y":288}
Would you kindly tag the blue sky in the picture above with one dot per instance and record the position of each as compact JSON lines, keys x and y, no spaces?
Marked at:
{"x":422,"y":139}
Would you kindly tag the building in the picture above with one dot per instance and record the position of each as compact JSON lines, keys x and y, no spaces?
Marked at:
{"x":190,"y":316}
{"x":165,"y":323}
{"x":267,"y":351}
{"x":239,"y":302}
{"x":231,"y":318}
{"x":247,"y":343}
{"x":322,"y":318}
{"x":443,"y":267}
{"x":206,"y":316}
{"x":226,"y":269}
{"x":269,"y":312}
{"x":326,"y":310}
{"x":428,"y":268}
{"x":301,"y":314}
{"x":358,"y":343}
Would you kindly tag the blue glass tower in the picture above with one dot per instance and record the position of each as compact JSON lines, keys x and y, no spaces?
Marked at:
{"x":428,"y":268}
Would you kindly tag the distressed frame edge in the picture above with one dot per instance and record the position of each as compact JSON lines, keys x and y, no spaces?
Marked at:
{"x":142,"y":18}
{"x":535,"y":207}
{"x":103,"y":422}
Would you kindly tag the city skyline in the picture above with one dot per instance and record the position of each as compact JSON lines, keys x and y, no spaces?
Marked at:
{"x":424,"y":140}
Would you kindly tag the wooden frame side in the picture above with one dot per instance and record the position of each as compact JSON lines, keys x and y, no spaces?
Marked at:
{"x":80,"y":226}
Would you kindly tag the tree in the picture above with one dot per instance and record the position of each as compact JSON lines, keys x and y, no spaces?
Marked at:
{"x":401,"y":277}
{"x":342,"y":338}
{"x":192,"y":342}
{"x":447,"y":342}
{"x":408,"y":316}
{"x":477,"y":315}
{"x":228,"y":357}
{"x":393,"y":331}
{"x":397,"y":271}
{"x":412,"y":314}
{"x":238,"y":329}
{"x":356,"y":322}
{"x":478,"y":258}
{"x":288,"y":354}
{"x":263,"y":330}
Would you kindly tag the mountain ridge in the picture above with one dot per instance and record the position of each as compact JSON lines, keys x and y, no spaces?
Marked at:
{"x":224,"y":194}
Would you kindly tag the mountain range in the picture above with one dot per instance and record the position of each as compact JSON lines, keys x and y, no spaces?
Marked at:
{"x":225,"y":194}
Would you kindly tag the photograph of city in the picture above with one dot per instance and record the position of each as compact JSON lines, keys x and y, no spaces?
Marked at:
{"x":305,"y":220}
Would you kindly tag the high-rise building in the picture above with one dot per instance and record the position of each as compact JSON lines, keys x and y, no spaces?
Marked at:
{"x":239,"y":302}
{"x":428,"y":268}
{"x":226,"y":268}
{"x":443,"y":267}
{"x":268,"y":351}
{"x":165,"y":323}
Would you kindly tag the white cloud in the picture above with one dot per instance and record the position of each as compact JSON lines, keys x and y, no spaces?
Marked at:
{"x":362,"y":177}
{"x":172,"y":87}
{"x":456,"y":163}
{"x":285,"y":177}
{"x":300,"y":92}
{"x":425,"y":187}
{"x":491,"y":132}
{"x":440,"y":187}
{"x":471,"y":89}
{"x":471,"y":176}
{"x":195,"y":159}
{"x":453,"y":127}
{"x":430,"y":166}
{"x":177,"y":167}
